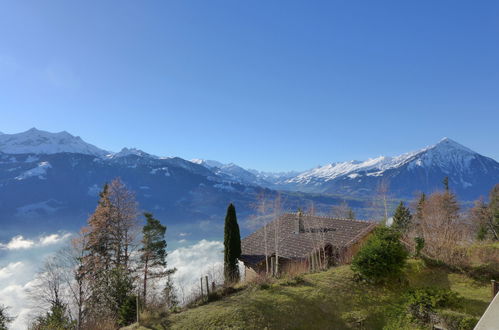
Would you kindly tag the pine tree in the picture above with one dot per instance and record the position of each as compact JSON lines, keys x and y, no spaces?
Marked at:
{"x":153,"y":252}
{"x":109,"y":238}
{"x":232,"y":246}
{"x":402,"y":218}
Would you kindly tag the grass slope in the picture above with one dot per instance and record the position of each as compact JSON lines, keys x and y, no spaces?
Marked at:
{"x":327,"y":300}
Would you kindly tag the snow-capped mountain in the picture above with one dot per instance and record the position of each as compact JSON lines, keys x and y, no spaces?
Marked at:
{"x":52,"y":181}
{"x":54,"y":178}
{"x":34,"y":141}
{"x":470,"y":174}
{"x":233,"y":172}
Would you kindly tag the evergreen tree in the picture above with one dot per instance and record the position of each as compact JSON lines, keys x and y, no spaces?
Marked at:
{"x":108,"y":239}
{"x":56,"y":319}
{"x":120,"y":292}
{"x":486,"y":216}
{"x":420,"y":207}
{"x":169,"y":294}
{"x":402,"y":218}
{"x":153,"y":252}
{"x":232,"y":246}
{"x":381,"y":257}
{"x":494,"y":210}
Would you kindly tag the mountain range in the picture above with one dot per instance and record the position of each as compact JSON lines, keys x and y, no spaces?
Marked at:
{"x":53,"y":180}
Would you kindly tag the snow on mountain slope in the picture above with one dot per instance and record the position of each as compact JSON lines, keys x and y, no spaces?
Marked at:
{"x":36,"y":141}
{"x":470,"y":174}
{"x":125,"y":152}
{"x":442,"y":154}
{"x":334,"y":170}
{"x":38,"y":171}
{"x":231,"y":172}
{"x":447,"y":155}
{"x":207,"y":163}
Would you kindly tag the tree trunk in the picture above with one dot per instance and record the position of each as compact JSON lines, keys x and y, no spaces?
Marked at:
{"x":145,"y":278}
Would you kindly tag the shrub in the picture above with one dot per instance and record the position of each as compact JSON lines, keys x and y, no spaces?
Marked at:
{"x":382,"y":257}
{"x":423,"y":303}
{"x":419,"y":245}
{"x":293,"y":281}
{"x":127,"y":313}
{"x":456,"y":320}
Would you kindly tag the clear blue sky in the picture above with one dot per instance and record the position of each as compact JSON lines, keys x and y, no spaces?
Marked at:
{"x":272,"y":85}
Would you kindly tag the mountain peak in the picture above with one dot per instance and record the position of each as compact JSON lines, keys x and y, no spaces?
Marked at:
{"x":131,"y":152}
{"x":36,"y":141}
{"x":451,"y":145}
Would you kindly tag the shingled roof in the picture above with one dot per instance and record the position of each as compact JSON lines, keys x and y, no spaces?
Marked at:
{"x":299,"y":234}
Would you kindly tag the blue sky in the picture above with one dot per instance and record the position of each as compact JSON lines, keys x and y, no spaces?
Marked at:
{"x":272,"y":85}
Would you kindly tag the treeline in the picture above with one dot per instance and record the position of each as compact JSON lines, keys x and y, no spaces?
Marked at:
{"x":110,"y":268}
{"x":439,"y":228}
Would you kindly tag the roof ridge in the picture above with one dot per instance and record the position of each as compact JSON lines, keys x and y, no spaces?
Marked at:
{"x":328,"y":217}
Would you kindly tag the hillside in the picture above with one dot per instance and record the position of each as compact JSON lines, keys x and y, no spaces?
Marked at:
{"x":329,"y":300}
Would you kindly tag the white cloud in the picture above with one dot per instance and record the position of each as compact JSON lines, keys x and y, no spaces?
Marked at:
{"x":192,"y":262}
{"x":18,"y":268}
{"x":53,"y":239}
{"x":16,"y":297}
{"x":20,"y":260}
{"x":19,"y":242}
{"x":10,"y":269}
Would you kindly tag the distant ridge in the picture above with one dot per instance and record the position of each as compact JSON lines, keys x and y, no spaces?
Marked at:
{"x":35,"y":141}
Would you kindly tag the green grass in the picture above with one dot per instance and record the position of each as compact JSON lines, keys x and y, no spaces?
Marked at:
{"x":328,"y":300}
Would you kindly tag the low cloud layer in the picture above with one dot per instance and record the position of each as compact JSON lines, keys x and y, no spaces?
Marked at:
{"x":204,"y":258}
{"x":21,"y":258}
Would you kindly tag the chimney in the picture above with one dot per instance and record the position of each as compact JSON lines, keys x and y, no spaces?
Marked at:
{"x":299,"y":228}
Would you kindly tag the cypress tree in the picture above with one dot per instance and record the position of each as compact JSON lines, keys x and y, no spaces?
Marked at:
{"x":402,"y":218}
{"x":232,"y":246}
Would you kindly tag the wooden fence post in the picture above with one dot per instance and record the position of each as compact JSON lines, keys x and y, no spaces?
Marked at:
{"x":495,"y":288}
{"x":207,"y":286}
{"x":202,"y":297}
{"x":272,"y":265}
{"x":137,"y":307}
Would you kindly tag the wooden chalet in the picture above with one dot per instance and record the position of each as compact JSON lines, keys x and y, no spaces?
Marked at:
{"x":312,"y":241}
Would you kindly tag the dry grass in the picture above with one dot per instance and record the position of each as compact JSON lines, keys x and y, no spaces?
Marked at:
{"x":329,"y":299}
